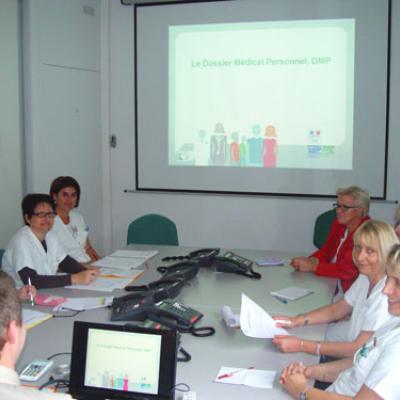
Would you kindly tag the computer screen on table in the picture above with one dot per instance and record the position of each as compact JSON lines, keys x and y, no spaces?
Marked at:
{"x":113,"y":361}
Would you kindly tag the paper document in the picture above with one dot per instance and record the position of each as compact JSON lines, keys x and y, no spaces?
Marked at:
{"x":104,"y":284}
{"x":84,"y":303}
{"x":292,"y":293}
{"x":246,"y":376}
{"x":147,"y":254}
{"x":256,"y":322}
{"x":32,"y":318}
{"x":120,"y":273}
{"x":123,"y":263}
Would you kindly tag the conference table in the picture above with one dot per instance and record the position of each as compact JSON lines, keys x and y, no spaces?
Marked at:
{"x":207,"y":293}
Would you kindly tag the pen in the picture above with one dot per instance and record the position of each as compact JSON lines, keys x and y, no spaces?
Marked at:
{"x":230,"y":374}
{"x":30,"y":291}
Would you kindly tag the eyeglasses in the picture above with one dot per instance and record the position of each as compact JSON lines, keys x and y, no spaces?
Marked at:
{"x":43,"y":214}
{"x":343,"y":207}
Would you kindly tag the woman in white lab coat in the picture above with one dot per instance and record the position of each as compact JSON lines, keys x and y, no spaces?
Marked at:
{"x":373,"y":373}
{"x":69,"y":225}
{"x":364,"y":299}
{"x":35,"y":254}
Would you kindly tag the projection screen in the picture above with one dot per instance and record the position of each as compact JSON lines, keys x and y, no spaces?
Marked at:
{"x":285,"y":97}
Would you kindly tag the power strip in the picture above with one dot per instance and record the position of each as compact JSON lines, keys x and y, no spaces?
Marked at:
{"x":189,"y":395}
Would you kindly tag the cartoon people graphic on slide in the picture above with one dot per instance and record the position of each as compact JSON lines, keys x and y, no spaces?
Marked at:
{"x":218,"y":145}
{"x":234,"y":149}
{"x":255,"y":146}
{"x":270,"y":144}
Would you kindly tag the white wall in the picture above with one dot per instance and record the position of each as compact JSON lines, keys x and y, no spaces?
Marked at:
{"x":219,"y":220}
{"x":11,"y":164}
{"x":62,"y":57}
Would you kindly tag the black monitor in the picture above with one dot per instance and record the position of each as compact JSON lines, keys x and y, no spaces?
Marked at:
{"x":122,"y":362}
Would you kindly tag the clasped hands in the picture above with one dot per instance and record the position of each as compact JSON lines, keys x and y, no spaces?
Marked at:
{"x":294,"y":378}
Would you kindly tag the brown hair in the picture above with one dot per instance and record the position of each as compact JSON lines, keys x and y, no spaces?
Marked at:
{"x":10,"y":306}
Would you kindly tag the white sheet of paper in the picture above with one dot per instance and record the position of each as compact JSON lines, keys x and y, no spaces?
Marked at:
{"x":104,"y":284}
{"x":85,"y":303}
{"x":135,"y":253}
{"x":292,"y":293}
{"x":31,"y":317}
{"x":123,"y":263}
{"x":249,"y":377}
{"x":256,"y":322}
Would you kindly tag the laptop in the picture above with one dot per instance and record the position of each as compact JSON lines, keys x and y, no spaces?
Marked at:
{"x":122,"y":362}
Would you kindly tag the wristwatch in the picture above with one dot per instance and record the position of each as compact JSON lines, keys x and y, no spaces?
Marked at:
{"x":303,"y":394}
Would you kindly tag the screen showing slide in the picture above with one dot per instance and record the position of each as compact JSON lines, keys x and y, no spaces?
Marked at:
{"x":275,"y":94}
{"x":275,"y":97}
{"x":125,"y":361}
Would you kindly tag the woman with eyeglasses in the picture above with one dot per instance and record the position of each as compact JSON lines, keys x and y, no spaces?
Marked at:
{"x":69,"y":225}
{"x":364,"y":300}
{"x":373,"y":373}
{"x":334,"y":259}
{"x":34,"y":255}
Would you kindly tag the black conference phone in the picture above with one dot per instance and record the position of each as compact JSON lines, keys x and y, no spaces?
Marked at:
{"x":167,"y":312}
{"x":235,"y":264}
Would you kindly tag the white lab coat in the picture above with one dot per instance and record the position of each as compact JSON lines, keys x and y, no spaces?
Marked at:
{"x":376,"y":365}
{"x":25,"y":250}
{"x":73,"y":236}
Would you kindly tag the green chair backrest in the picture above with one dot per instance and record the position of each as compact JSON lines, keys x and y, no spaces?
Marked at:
{"x":322,"y":227}
{"x":153,"y":229}
{"x":1,"y":256}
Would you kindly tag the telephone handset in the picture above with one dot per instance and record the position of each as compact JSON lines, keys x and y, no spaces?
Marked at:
{"x":235,"y":266}
{"x":203,"y":257}
{"x":175,"y":315}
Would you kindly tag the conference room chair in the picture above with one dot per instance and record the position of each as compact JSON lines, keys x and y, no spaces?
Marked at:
{"x":153,"y":229}
{"x":322,"y":227}
{"x":1,"y":256}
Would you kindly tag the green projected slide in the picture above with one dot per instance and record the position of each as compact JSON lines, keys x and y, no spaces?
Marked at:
{"x":123,"y":361}
{"x":262,"y":94}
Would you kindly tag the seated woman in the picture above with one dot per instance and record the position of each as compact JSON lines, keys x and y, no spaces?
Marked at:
{"x":372,"y":243}
{"x":334,"y":259}
{"x":69,"y":225}
{"x":374,"y":371}
{"x":36,"y":253}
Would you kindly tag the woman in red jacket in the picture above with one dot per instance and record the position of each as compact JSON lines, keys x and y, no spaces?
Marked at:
{"x":334,"y":259}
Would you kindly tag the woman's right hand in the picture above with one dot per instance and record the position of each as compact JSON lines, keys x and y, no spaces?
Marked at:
{"x":84,"y":277}
{"x":282,"y":321}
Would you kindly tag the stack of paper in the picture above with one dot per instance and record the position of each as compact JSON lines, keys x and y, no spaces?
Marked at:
{"x":32,"y":318}
{"x":105,"y":284}
{"x":292,"y":293}
{"x":124,"y":260}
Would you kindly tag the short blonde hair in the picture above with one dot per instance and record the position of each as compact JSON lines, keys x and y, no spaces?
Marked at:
{"x":377,"y":235}
{"x":361,"y":196}
{"x":393,"y":260}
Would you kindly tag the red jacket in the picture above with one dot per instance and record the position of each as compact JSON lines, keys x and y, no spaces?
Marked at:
{"x":344,"y":268}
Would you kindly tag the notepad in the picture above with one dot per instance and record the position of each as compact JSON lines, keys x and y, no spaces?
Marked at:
{"x":292,"y":293}
{"x":270,"y":262}
{"x":246,"y":376}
